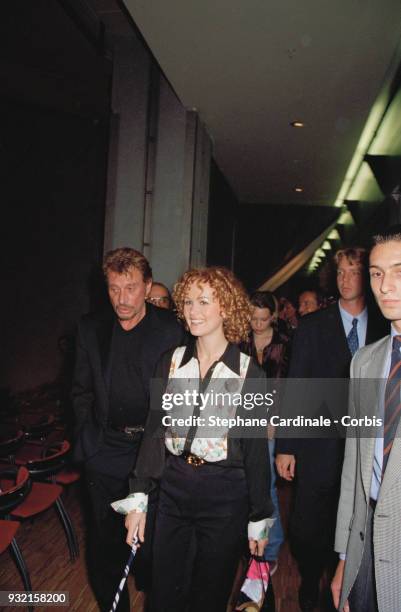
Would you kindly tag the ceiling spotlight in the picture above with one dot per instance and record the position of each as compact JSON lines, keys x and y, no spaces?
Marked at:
{"x":298,"y":189}
{"x":345,"y":218}
{"x":334,"y":235}
{"x":297,"y":124}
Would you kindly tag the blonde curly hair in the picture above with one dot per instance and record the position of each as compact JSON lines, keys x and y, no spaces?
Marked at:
{"x":230,"y":294}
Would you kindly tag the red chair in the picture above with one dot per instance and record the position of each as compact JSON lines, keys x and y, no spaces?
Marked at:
{"x":40,"y":497}
{"x":15,"y":486}
{"x":48,"y":463}
{"x":67,"y":476}
{"x":8,"y":529}
{"x":11,"y":439}
{"x":37,"y":428}
{"x":56,"y":468}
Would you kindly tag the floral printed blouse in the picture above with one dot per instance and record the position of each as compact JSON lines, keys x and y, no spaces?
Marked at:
{"x":236,"y":374}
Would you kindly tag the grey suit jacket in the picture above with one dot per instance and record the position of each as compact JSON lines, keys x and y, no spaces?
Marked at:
{"x":356,"y":479}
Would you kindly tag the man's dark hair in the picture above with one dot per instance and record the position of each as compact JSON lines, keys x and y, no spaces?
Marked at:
{"x":122,"y":259}
{"x":391,"y":233}
{"x":318,"y":295}
{"x":163,"y":286}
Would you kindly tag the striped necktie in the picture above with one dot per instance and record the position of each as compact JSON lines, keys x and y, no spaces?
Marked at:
{"x":392,"y":403}
{"x":352,"y":338}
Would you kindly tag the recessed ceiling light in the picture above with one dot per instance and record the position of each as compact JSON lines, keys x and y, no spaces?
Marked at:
{"x":334,"y":235}
{"x":297,"y":124}
{"x":298,"y":189}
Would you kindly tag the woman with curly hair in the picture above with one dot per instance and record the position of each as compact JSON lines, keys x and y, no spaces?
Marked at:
{"x":213,"y":482}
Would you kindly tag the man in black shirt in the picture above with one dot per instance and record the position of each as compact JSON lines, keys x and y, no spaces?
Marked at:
{"x":116,"y":356}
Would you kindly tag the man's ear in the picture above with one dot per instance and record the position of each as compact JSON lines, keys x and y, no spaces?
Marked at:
{"x":148,"y":287}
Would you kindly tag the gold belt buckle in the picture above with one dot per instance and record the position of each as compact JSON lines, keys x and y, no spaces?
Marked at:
{"x":194,"y":460}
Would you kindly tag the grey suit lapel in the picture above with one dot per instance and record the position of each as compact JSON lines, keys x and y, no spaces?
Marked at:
{"x":393,"y":469}
{"x":371,"y":373}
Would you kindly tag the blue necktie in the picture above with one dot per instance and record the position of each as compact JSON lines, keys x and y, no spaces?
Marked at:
{"x":352,"y":338}
{"x":392,"y":404}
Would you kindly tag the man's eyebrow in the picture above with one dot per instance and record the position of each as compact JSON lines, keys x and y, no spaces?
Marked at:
{"x":395,"y":265}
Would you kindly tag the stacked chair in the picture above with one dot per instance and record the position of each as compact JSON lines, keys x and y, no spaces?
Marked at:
{"x":45,"y":462}
{"x":15,"y":487}
{"x":34,"y":470}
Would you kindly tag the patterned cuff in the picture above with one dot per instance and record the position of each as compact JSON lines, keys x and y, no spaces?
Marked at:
{"x":259,"y":530}
{"x":135,"y":502}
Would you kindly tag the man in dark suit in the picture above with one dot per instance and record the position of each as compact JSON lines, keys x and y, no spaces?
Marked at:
{"x":116,"y":356}
{"x":323,"y":347}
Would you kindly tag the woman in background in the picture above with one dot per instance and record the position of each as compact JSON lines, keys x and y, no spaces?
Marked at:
{"x":269,"y":345}
{"x":267,"y":342}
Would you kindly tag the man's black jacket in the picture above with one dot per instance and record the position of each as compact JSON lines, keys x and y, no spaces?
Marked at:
{"x":91,"y":384}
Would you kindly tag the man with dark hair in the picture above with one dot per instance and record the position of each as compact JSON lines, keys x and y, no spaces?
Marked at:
{"x":368,"y":533}
{"x":117,"y":352}
{"x":160,"y":296}
{"x":323,"y":347}
{"x":308,"y":301}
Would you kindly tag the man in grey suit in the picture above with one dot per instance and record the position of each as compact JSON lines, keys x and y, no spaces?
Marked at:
{"x":368,"y":533}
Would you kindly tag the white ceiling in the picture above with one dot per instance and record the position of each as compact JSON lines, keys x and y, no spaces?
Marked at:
{"x":250,"y":67}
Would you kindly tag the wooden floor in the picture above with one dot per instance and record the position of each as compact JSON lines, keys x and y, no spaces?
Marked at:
{"x":44,"y":547}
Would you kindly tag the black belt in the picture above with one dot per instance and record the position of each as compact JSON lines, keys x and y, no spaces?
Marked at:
{"x":373,"y":503}
{"x":128,"y":429}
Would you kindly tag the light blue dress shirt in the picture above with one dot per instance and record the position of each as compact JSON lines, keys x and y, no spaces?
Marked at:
{"x":362,"y":326}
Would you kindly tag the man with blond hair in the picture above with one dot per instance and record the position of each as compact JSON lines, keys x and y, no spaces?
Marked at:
{"x":117,"y":352}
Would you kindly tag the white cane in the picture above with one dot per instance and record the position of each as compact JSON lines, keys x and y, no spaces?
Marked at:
{"x":125,"y":575}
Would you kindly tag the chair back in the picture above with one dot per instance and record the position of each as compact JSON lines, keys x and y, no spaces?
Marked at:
{"x":15,"y":485}
{"x":11,"y":440}
{"x":54,"y":458}
{"x":38,"y":428}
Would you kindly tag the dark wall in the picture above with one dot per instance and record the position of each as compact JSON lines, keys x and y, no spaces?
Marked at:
{"x":223,"y":207}
{"x":54,"y":109}
{"x":52,"y":194}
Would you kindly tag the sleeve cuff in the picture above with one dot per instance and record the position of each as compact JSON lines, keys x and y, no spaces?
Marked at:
{"x":259,"y":530}
{"x":136,"y":502}
{"x":342,"y":556}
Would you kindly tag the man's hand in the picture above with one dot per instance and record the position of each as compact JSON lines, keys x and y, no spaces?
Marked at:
{"x":336,"y":585}
{"x":135,"y":523}
{"x":286,"y":466}
{"x":257,"y":547}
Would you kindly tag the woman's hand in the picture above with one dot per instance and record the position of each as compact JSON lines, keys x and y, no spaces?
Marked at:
{"x":257,"y":547}
{"x":135,"y":523}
